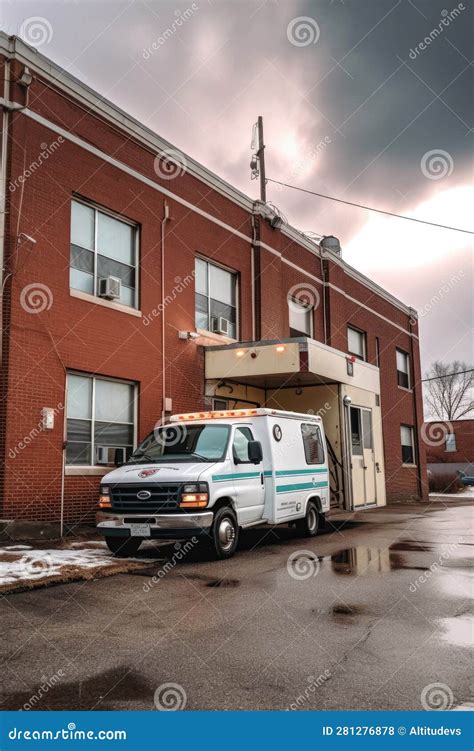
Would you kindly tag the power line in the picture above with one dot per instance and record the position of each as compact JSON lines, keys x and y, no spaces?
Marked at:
{"x":369,"y":208}
{"x":447,"y":375}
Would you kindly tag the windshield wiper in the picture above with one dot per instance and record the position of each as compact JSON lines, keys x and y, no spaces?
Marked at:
{"x":146,"y":457}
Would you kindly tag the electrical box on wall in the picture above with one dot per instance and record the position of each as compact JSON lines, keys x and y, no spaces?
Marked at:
{"x":168,"y":404}
{"x":47,"y":414}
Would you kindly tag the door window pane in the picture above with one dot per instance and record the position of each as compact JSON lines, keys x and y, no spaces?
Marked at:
{"x":82,"y":225}
{"x":356,"y":433}
{"x":367,"y":428}
{"x":313,"y":444}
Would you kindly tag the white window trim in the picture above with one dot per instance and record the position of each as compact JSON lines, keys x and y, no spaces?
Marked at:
{"x":87,"y":297}
{"x":310,"y":309}
{"x":93,"y":469}
{"x":235,"y":274}
{"x":136,"y":242}
{"x":364,"y":343}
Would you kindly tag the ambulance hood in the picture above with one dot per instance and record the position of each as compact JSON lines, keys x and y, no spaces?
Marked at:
{"x":156,"y":472}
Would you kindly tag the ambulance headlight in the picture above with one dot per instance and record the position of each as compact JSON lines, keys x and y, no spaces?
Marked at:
{"x":195,"y":495}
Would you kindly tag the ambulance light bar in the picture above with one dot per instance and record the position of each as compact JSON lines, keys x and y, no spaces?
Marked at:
{"x":214,"y":415}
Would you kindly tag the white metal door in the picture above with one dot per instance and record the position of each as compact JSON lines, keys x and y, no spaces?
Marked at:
{"x":362,"y":456}
{"x":248,"y":478}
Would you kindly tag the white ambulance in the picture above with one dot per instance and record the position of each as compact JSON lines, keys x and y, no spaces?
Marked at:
{"x":212,"y":474}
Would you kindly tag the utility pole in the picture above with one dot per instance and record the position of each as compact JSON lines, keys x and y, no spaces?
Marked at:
{"x":261,"y":159}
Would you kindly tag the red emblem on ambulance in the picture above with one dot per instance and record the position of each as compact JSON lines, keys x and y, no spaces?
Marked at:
{"x":147,"y":472}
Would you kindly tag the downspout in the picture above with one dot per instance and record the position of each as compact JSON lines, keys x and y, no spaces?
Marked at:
{"x":3,"y":191}
{"x":166,"y":216}
{"x":256,"y":280}
{"x":323,"y":279}
{"x":419,"y":483}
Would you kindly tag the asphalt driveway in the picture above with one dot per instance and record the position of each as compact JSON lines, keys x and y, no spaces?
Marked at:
{"x":373,"y":614}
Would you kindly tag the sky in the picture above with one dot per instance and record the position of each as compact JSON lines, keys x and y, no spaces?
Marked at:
{"x":370,"y":101}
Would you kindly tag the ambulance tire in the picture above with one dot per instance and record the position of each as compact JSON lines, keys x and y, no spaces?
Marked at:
{"x":224,"y":533}
{"x":123,"y":547}
{"x":309,"y":526}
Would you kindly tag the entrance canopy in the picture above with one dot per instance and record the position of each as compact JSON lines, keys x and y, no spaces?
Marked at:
{"x":294,"y":362}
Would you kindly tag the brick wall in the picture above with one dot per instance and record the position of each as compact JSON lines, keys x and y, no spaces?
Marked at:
{"x":74,"y":334}
{"x":434,"y":433}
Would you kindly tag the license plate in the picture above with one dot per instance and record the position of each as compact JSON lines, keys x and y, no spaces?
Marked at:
{"x":139,"y":530}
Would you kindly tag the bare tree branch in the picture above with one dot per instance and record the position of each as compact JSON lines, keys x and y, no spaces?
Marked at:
{"x":449,"y":393}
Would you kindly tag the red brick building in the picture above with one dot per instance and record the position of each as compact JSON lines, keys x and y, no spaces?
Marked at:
{"x":90,"y":196}
{"x":450,"y":446}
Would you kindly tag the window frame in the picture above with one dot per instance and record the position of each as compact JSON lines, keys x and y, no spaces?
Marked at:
{"x":412,"y":463}
{"x":322,"y":442}
{"x":408,"y":375}
{"x":236,"y":429}
{"x":97,"y":208}
{"x":92,"y":421}
{"x":364,"y":343}
{"x":235,"y":275}
{"x":309,"y":309}
{"x":452,"y":436}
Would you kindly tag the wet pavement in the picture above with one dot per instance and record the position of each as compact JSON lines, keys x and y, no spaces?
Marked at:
{"x":370,"y":614}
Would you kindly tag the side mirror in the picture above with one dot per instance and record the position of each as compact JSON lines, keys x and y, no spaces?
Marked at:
{"x":255,"y":452}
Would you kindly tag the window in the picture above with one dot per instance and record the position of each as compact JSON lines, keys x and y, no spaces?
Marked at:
{"x":100,"y":418}
{"x":216,"y":297}
{"x":450,"y":442}
{"x":301,"y":318}
{"x":406,"y":434}
{"x":403,"y":369}
{"x":377,"y":351}
{"x":219,"y":405}
{"x":356,"y":344}
{"x":102,"y":246}
{"x":242,"y":436}
{"x":196,"y":443}
{"x":313,"y":444}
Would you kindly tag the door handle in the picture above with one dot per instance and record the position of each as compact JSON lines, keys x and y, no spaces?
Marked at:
{"x":365,"y":467}
{"x":261,"y":477}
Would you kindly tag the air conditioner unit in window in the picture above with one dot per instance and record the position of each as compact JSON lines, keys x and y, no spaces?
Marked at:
{"x":221,"y":326}
{"x":110,"y":287}
{"x":110,"y":455}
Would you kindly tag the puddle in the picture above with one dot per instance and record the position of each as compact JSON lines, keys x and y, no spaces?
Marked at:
{"x":361,"y":560}
{"x":347,"y":610}
{"x":458,"y":630}
{"x":223,"y":583}
{"x":106,"y":690}
{"x":411,"y":546}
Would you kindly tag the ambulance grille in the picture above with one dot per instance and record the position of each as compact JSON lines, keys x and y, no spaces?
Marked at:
{"x":163,"y":497}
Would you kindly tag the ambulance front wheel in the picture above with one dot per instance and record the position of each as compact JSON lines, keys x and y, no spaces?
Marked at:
{"x":225,"y":533}
{"x":310,"y":525}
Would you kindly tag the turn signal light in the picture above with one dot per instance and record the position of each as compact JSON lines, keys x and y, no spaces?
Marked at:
{"x":194,"y":500}
{"x":104,"y":501}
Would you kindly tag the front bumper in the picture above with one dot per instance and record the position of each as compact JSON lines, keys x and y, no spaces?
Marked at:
{"x":162,"y":526}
